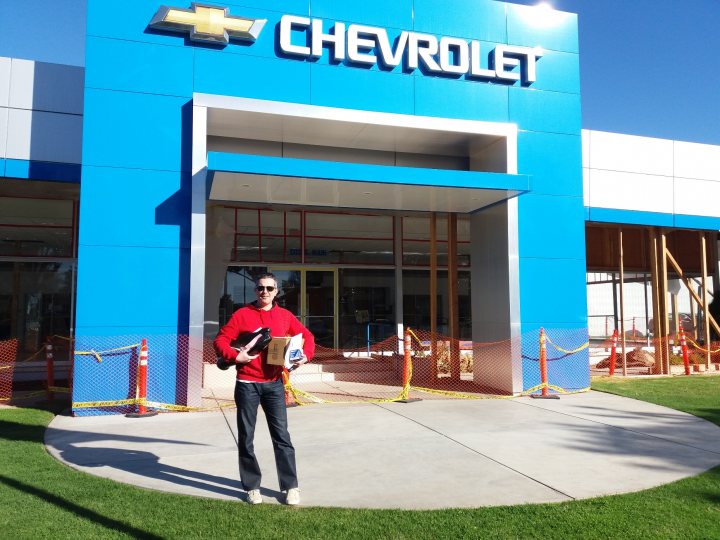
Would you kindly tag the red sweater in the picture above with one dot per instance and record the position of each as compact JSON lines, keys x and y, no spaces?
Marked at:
{"x":248,"y":319}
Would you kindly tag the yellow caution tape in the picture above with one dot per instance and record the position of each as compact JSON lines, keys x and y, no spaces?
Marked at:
{"x":94,"y":404}
{"x":97,"y":354}
{"x":580,"y":348}
{"x":458,"y":395}
{"x":699,"y":347}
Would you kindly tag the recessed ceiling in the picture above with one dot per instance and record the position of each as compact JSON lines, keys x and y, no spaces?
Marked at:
{"x":271,"y":189}
{"x":347,"y":134}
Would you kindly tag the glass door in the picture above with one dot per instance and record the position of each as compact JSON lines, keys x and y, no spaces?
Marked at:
{"x":311,"y":294}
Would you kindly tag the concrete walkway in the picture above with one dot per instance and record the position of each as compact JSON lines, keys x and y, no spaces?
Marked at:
{"x":427,"y":454}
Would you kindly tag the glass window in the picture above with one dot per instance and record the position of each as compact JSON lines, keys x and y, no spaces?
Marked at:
{"x":416,"y":301}
{"x":416,"y":241}
{"x":35,"y":302}
{"x":330,"y":238}
{"x":349,"y":239}
{"x":36,"y":227}
{"x":348,"y":251}
{"x":246,"y":221}
{"x":367,"y":307}
{"x":349,"y":225}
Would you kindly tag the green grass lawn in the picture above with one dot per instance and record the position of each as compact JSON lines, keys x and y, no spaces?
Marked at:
{"x":42,"y":498}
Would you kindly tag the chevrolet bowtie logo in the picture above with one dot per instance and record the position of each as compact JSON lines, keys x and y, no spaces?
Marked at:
{"x":207,"y":23}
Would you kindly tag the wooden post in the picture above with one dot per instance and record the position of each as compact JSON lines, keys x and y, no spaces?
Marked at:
{"x":693,"y":317}
{"x":663,"y":302}
{"x":622,"y":304}
{"x":655,"y":286}
{"x":705,"y":301}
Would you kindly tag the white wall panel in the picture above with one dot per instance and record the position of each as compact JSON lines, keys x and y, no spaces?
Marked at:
{"x":22,"y":84}
{"x":586,"y":186}
{"x":701,"y":161}
{"x":3,"y":131}
{"x":585,"y":138}
{"x":628,"y":191}
{"x":46,"y":87}
{"x":18,"y":134}
{"x":43,"y":136}
{"x":4,"y":81}
{"x":628,"y":153}
{"x":697,"y":197}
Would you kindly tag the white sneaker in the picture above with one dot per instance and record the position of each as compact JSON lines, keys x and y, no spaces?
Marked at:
{"x":254,"y":497}
{"x":293,"y":497}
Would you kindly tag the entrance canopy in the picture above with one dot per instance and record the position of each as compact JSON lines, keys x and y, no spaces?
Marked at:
{"x":285,"y":153}
{"x":263,"y":179}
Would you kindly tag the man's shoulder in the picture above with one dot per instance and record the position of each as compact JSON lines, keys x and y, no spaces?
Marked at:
{"x":277,"y":307}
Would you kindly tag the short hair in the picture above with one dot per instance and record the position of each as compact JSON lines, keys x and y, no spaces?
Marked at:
{"x":266,"y":275}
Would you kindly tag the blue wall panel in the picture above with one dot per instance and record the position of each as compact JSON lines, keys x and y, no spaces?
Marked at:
{"x":467,"y":100}
{"x":535,"y":25}
{"x":558,"y":72}
{"x":552,"y":292}
{"x":142,"y":208}
{"x":697,"y":222}
{"x":124,"y":129}
{"x":138,"y":67}
{"x":562,"y":238}
{"x":351,"y":88}
{"x":472,"y":19}
{"x":630,"y":217}
{"x":40,"y":170}
{"x":555,"y":161}
{"x":127,"y":20}
{"x":396,"y":14}
{"x":130,"y":288}
{"x":253,"y":77}
{"x":292,"y":7}
{"x":537,"y":110}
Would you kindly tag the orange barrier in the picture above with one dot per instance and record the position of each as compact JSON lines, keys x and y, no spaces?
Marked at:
{"x":545,"y":393}
{"x":613,"y":353}
{"x":289,"y":400}
{"x":407,"y":352}
{"x":141,"y":392}
{"x":684,"y":348}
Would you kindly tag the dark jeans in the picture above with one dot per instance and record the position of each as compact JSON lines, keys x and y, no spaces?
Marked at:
{"x":271,"y":397}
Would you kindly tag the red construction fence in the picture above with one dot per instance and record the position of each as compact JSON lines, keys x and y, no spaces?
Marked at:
{"x":104,"y":373}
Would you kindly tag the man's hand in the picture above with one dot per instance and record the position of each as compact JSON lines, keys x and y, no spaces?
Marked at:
{"x":243,"y":357}
{"x":298,"y":362}
{"x":302,"y":360}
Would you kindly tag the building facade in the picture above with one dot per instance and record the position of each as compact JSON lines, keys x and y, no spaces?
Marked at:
{"x":354,"y":149}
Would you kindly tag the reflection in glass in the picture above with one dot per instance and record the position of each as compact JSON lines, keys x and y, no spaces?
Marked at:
{"x":367,"y":306}
{"x":35,"y":303}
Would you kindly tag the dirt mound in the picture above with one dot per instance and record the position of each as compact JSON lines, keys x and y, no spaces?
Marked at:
{"x":635,"y":358}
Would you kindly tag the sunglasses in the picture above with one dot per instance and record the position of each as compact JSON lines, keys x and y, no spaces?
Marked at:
{"x":261,"y":288}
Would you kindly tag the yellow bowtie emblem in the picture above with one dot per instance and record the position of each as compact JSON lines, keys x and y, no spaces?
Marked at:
{"x":207,"y":23}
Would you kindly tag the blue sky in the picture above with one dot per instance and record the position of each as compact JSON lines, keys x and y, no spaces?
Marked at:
{"x":648,"y":67}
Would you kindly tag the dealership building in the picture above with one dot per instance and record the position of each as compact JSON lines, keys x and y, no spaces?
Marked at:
{"x":410,"y":163}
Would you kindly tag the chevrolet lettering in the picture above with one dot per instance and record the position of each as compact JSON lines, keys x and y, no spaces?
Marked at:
{"x":369,"y":45}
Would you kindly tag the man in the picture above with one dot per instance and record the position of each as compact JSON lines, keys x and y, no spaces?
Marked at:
{"x":260,"y":383}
